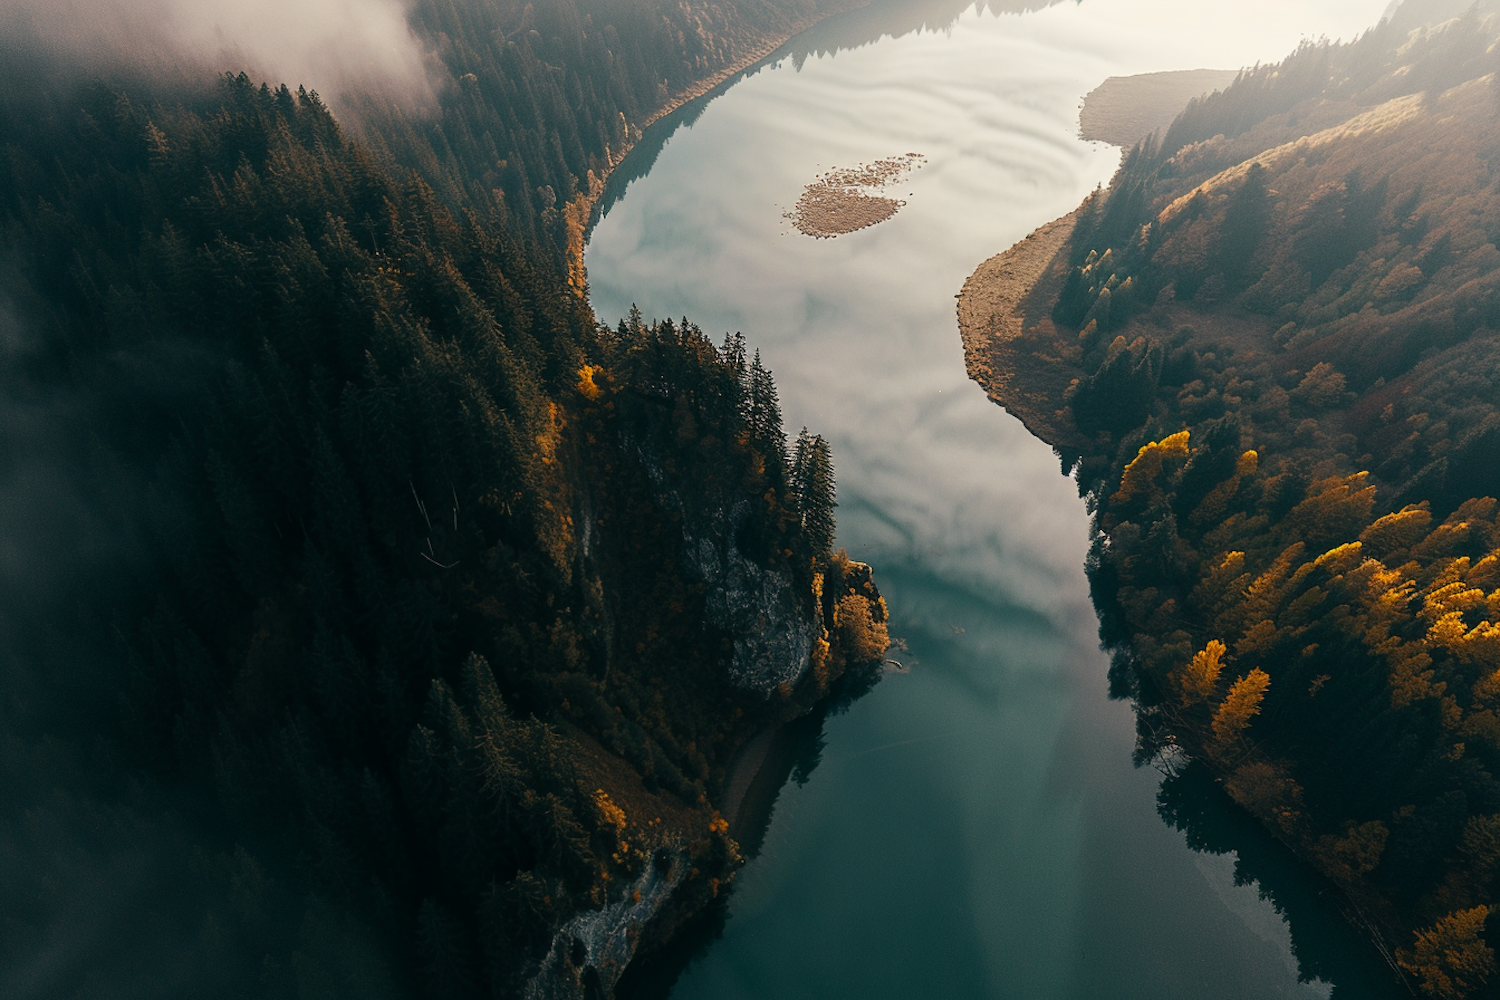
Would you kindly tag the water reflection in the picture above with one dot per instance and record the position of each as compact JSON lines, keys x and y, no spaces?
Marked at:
{"x":864,"y":26}
{"x":975,"y":827}
{"x":1325,"y":943}
{"x":893,"y":19}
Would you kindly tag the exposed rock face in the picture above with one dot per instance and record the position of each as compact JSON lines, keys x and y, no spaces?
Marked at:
{"x":589,"y":953}
{"x":773,"y":630}
{"x":773,"y":640}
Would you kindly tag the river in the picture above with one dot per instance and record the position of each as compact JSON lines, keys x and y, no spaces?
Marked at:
{"x":975,"y":827}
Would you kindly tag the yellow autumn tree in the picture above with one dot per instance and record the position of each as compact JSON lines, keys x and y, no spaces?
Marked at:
{"x":1267,"y":792}
{"x":864,"y":638}
{"x":586,"y":384}
{"x":1263,"y":596}
{"x":1321,"y":387}
{"x":1337,"y":507}
{"x":1221,"y":586}
{"x":1140,"y":475}
{"x":1486,"y":572}
{"x":1240,"y":705}
{"x":1480,"y":846}
{"x":610,"y":813}
{"x":1356,"y":853}
{"x":1450,"y":960}
{"x":1214,"y":506}
{"x":1341,"y":559}
{"x":1398,"y":532}
{"x":1200,"y":678}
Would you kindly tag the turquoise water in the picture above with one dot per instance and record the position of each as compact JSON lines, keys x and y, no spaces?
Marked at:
{"x":975,"y":828}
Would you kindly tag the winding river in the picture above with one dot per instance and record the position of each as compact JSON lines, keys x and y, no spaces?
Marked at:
{"x":975,"y":827}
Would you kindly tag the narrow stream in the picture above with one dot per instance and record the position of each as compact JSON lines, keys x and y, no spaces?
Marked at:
{"x":974,"y":828}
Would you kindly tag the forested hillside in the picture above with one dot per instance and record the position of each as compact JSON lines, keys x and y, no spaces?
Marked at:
{"x":372,"y":612}
{"x":1271,"y":350}
{"x":539,"y":101}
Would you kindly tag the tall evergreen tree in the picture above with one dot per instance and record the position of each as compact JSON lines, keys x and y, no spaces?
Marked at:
{"x":813,"y":490}
{"x":798,"y":487}
{"x":733,"y":353}
{"x":763,"y":412}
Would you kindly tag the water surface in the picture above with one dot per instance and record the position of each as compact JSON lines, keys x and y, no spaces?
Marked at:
{"x":975,"y":828}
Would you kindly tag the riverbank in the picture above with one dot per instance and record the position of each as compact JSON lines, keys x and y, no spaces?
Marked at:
{"x":743,"y":769}
{"x":1028,"y":365}
{"x":1024,"y":363}
{"x":759,"y":772}
{"x":1022,"y":368}
{"x":751,"y":57}
{"x":579,"y":212}
{"x":1011,"y":347}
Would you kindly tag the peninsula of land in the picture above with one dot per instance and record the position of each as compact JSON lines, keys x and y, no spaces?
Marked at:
{"x":1028,"y":367}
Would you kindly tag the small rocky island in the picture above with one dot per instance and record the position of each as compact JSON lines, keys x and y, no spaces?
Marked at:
{"x":848,"y":199}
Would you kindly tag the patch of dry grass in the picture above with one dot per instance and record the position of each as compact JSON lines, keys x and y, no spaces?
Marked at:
{"x":844,"y":200}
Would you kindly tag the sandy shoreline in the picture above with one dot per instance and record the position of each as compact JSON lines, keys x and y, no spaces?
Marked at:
{"x":999,"y":352}
{"x":752,"y":57}
{"x":989,"y":307}
{"x":1020,"y":361}
{"x":747,"y":763}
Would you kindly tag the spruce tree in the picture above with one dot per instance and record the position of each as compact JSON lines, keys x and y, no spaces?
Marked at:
{"x":815,"y":487}
{"x":763,"y":414}
{"x":799,"y":486}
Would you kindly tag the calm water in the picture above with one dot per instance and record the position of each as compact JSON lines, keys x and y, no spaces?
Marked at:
{"x":975,"y":828}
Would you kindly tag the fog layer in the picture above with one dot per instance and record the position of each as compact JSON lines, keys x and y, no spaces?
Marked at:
{"x":335,"y":47}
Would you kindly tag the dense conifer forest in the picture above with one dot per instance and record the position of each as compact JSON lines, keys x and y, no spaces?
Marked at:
{"x":371,"y":611}
{"x":1270,"y":351}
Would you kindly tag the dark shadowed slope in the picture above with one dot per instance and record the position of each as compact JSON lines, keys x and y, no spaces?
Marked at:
{"x":372,"y":613}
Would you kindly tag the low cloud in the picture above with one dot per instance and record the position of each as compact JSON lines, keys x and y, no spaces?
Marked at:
{"x":336,"y":47}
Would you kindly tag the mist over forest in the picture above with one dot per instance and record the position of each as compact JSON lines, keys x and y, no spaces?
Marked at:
{"x":378,"y":621}
{"x":335,"y":47}
{"x":370,"y":610}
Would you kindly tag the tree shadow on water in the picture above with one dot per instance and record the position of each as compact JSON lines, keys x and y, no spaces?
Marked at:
{"x":795,"y":752}
{"x":1324,"y":943}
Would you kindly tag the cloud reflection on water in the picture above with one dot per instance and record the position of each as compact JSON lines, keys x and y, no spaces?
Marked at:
{"x":1003,"y":728}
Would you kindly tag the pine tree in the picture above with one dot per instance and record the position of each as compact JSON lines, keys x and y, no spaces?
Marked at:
{"x":798,"y":486}
{"x":1199,"y":679}
{"x":733,"y":353}
{"x":763,"y":413}
{"x":813,"y":486}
